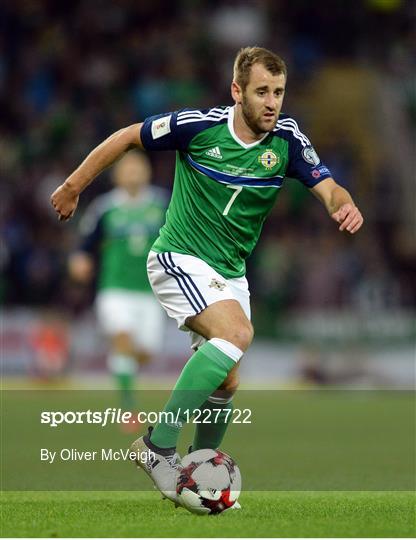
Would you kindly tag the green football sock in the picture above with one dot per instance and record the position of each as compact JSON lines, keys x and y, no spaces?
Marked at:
{"x":203,"y":373}
{"x":125,"y":383}
{"x":211,"y":434}
{"x":124,"y":370}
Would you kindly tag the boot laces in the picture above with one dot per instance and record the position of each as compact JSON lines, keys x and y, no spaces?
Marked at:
{"x":174,"y":460}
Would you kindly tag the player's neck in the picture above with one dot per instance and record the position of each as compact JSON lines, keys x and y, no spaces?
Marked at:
{"x":242,"y":130}
{"x":134,"y":194}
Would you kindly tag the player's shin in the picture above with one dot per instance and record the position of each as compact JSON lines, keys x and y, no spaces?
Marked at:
{"x":217,"y":411}
{"x":202,"y":375}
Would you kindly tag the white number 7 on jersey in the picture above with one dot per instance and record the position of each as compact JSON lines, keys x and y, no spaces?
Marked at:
{"x":233,"y":198}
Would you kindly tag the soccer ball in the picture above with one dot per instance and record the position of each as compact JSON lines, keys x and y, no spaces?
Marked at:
{"x":209,"y":483}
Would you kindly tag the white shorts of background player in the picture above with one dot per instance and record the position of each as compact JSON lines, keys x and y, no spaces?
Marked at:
{"x":136,"y":313}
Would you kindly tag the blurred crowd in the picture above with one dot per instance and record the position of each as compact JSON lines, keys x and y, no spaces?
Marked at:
{"x":71,"y":73}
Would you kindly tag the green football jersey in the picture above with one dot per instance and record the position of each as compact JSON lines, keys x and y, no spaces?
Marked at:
{"x":225,"y":188}
{"x":120,"y":230}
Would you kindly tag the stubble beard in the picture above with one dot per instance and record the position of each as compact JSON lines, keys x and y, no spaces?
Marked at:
{"x":253,"y":121}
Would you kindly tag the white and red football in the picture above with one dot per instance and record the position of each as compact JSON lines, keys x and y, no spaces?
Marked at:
{"x":209,"y":483}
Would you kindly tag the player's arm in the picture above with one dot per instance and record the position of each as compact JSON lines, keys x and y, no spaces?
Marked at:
{"x":339,"y":205}
{"x":307,"y":167}
{"x":65,"y":198}
{"x":82,"y":262}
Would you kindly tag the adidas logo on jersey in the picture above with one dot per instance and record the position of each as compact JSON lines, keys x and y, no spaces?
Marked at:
{"x":214,"y":152}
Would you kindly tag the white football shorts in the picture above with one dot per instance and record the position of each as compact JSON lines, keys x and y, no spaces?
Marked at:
{"x":186,"y":285}
{"x":136,"y":313}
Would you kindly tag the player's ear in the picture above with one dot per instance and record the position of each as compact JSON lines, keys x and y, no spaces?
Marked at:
{"x":236,"y":92}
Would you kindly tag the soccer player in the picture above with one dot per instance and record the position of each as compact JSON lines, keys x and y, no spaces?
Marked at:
{"x":117,"y":231}
{"x":230,"y":166}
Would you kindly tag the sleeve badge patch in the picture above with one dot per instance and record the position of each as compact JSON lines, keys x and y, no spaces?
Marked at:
{"x":310,"y":156}
{"x":161,"y":127}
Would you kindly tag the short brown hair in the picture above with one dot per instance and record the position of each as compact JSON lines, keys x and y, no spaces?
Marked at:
{"x":248,"y":56}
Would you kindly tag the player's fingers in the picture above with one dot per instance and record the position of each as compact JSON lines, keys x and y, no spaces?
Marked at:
{"x":353,"y":221}
{"x":62,"y":216}
{"x":341,"y":213}
{"x":345,"y":210}
{"x":346,"y":222}
{"x":69,"y":215}
{"x":356,"y":225}
{"x":350,"y":219}
{"x":337,"y":217}
{"x":350,"y":226}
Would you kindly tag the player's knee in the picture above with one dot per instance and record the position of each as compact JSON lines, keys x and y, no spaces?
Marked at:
{"x":122,"y":343}
{"x":143,"y":357}
{"x":242,"y":335}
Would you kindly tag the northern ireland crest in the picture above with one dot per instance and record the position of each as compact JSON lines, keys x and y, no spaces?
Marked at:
{"x":269,"y":159}
{"x":216,"y":284}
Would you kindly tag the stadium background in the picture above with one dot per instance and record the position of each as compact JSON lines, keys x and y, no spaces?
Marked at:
{"x":327,"y":308}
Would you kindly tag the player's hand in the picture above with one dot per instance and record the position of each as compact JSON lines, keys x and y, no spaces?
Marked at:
{"x":349,"y":218}
{"x":81,"y":267}
{"x":65,"y":201}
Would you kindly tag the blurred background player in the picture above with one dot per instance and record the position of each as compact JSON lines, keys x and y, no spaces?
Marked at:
{"x":116,"y":232}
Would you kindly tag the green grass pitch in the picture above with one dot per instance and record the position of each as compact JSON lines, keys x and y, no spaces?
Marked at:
{"x":264,"y":514}
{"x":314,"y":464}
